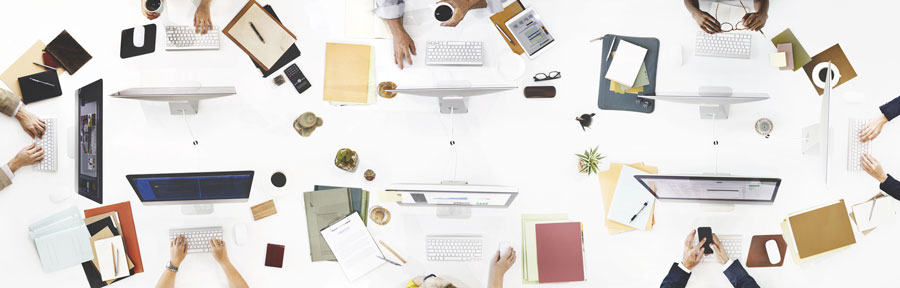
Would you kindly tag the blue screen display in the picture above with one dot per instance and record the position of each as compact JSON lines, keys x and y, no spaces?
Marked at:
{"x":193,"y":187}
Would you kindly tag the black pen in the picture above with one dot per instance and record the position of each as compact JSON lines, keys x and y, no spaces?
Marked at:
{"x":42,"y":82}
{"x":639,"y":212}
{"x":257,"y":32}
{"x":386,"y":260}
{"x":45,"y":66}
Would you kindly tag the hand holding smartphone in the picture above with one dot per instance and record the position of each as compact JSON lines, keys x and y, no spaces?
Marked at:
{"x":705,"y":232}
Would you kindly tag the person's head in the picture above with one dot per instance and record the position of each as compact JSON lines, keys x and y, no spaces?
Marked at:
{"x":437,"y":282}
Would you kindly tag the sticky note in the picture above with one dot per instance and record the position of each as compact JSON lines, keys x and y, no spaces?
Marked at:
{"x":778,"y":59}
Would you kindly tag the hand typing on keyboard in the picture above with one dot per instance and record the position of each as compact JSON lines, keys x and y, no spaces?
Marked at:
{"x":719,"y":250}
{"x":177,"y":250}
{"x":873,"y":128}
{"x":873,"y":167}
{"x":202,"y":22}
{"x":30,"y":155}
{"x":32,"y":125}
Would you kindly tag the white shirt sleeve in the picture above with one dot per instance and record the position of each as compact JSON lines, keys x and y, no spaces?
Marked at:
{"x":17,"y":109}
{"x":727,"y":264}
{"x":495,"y":6}
{"x":684,"y":268}
{"x":7,"y":171}
{"x":389,"y":9}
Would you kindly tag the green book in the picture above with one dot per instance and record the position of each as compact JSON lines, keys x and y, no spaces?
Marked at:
{"x":323,"y":208}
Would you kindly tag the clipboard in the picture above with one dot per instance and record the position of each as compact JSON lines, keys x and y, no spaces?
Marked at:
{"x":499,"y":20}
{"x":609,"y":100}
{"x":263,"y":56}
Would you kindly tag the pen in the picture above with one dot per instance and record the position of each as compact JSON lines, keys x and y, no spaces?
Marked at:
{"x":389,"y":261}
{"x":610,"y":49}
{"x":115,"y":258}
{"x":872,"y":211}
{"x":639,"y":212}
{"x":45,"y":66}
{"x":257,"y":32}
{"x":392,"y":251}
{"x":42,"y":82}
{"x":504,"y":36}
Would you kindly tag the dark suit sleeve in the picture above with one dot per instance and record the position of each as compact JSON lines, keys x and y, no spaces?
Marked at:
{"x":677,"y":278}
{"x":739,"y":277}
{"x":891,"y":109}
{"x":891,"y":186}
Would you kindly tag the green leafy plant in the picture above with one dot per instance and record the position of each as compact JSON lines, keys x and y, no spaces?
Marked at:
{"x":589,"y":162}
{"x":346,"y":159}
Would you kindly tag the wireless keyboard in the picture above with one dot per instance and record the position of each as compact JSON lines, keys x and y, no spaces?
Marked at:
{"x":48,"y":143}
{"x":184,"y":38}
{"x":468,"y":53}
{"x":729,"y":45}
{"x":197,"y":238}
{"x":856,"y":149}
{"x":733,"y":245}
{"x":453,"y":248}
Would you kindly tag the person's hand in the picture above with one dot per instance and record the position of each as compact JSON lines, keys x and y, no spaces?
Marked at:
{"x":873,"y":167}
{"x":707,"y":22}
{"x":460,"y":8}
{"x":219,"y":252}
{"x":30,"y":155}
{"x":202,"y":23}
{"x":718,"y":250}
{"x":872,"y":129}
{"x":692,"y":254}
{"x":404,"y":47}
{"x":177,"y":250}
{"x":755,"y":21}
{"x":32,"y":125}
{"x":148,"y":14}
{"x":499,"y":266}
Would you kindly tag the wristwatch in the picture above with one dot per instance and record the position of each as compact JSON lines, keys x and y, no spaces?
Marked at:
{"x":171,"y":267}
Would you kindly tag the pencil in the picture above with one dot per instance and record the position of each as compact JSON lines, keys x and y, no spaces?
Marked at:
{"x":392,"y":251}
{"x":115,"y":261}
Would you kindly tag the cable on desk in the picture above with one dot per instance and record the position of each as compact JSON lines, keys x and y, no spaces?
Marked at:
{"x":183,"y":115}
{"x":453,"y":145}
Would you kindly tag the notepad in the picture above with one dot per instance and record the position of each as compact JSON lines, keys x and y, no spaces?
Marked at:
{"x":629,"y":199}
{"x":626,"y":63}
{"x":560,"y":255}
{"x":276,"y":39}
{"x":353,"y":246}
{"x":110,"y":254}
{"x":868,"y":217}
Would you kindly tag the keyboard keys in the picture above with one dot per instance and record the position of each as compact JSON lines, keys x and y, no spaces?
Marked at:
{"x":856,"y":149}
{"x":197,"y":238}
{"x":184,"y":38}
{"x":455,"y":53}
{"x":48,"y":143}
{"x":731,"y":45}
{"x":453,"y":248}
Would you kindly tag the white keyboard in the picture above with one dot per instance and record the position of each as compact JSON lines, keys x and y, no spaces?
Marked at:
{"x":197,"y":238}
{"x":184,"y":38}
{"x":453,"y":248}
{"x":48,"y":143}
{"x":856,"y":149}
{"x":733,"y":245}
{"x":730,"y":45}
{"x":455,"y":53}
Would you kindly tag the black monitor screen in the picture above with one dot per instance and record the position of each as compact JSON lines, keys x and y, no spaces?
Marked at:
{"x":192,"y":186}
{"x":90,"y":141}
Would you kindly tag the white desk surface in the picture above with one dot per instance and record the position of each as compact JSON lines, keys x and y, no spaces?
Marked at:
{"x":504,"y":140}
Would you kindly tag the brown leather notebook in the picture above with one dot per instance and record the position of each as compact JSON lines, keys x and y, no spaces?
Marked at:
{"x":68,"y":52}
{"x":500,"y":19}
{"x":759,"y":257}
{"x":274,"y":255}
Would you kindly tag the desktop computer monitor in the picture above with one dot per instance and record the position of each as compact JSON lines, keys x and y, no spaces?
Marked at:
{"x":453,"y":200}
{"x":182,"y":100}
{"x":89,"y":127}
{"x":715,"y":102}
{"x":451,"y":98}
{"x":723,"y":189}
{"x":198,"y":189}
{"x":816,"y":138}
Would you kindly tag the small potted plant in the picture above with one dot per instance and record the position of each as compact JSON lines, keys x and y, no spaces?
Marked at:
{"x":346,"y":159}
{"x":589,"y":161}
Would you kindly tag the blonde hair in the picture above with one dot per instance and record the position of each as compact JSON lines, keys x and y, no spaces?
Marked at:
{"x":438,"y":284}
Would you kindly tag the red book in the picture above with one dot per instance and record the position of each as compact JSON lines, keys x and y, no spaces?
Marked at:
{"x":559,"y":253}
{"x":274,"y":255}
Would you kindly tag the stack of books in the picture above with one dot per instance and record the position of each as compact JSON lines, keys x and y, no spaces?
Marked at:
{"x":116,"y":254}
{"x":553,"y":249}
{"x":627,"y":71}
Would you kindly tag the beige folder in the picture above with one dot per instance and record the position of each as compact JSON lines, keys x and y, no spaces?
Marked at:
{"x":608,"y":181}
{"x":817,"y":231}
{"x":24,"y":66}
{"x":347,"y":72}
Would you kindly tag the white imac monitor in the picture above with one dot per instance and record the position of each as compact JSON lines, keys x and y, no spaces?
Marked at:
{"x":815,"y":139}
{"x":715,"y":102}
{"x":182,"y":100}
{"x":451,"y":98}
{"x":727,"y":189}
{"x":454,"y":196}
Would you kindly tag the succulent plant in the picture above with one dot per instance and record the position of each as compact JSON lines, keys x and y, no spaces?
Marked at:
{"x":346,"y":159}
{"x":369,"y":175}
{"x":589,"y":162}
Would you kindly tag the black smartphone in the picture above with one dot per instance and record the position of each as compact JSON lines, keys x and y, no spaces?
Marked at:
{"x":705,"y":232}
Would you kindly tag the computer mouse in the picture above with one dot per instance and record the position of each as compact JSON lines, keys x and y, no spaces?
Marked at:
{"x":240,"y":234}
{"x":504,"y":249}
{"x":138,"y":39}
{"x":772,"y":250}
{"x":60,"y":196}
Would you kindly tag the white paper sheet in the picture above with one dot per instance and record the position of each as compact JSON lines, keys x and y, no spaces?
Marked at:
{"x":353,"y":246}
{"x":628,"y":199}
{"x":626,"y":62}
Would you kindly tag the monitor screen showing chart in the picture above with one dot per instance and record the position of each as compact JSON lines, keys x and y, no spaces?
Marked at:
{"x":735,"y":189}
{"x":212,"y":186}
{"x":455,"y":195}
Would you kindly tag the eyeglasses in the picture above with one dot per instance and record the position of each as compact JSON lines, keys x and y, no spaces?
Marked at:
{"x":547,"y":76}
{"x":727,"y":26}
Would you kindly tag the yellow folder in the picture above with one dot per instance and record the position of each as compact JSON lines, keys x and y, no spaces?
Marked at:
{"x":608,"y":181}
{"x":818,"y":231}
{"x":347,"y":72}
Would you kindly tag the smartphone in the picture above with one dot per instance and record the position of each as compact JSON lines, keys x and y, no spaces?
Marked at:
{"x":705,"y":232}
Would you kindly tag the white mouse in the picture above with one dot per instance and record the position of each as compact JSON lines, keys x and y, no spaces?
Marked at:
{"x":138,"y":38}
{"x":772,"y":250}
{"x":240,"y":234}
{"x":60,"y":196}
{"x":503,"y":248}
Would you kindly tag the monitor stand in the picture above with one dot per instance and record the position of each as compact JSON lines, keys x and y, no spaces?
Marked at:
{"x":454,"y":212}
{"x":715,"y":111}
{"x":453,"y":104}
{"x":197,"y":209}
{"x":184,"y":107}
{"x":714,"y":206}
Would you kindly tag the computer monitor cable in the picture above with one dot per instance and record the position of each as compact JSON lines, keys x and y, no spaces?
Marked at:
{"x":715,"y":143}
{"x":453,"y":148}
{"x":183,"y":115}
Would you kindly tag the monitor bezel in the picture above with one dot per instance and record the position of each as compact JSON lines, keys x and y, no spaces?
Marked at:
{"x":132,"y":177}
{"x":640,"y":179}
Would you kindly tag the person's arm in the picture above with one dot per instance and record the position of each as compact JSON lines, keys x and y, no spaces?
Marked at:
{"x":889,"y":185}
{"x":30,"y":155}
{"x":235,"y":280}
{"x":679,"y":273}
{"x":462,"y":7}
{"x":177,"y":250}
{"x":392,"y":13}
{"x":499,"y":267}
{"x":757,"y":20}
{"x":891,"y":109}
{"x":707,"y":22}
{"x":677,"y":278}
{"x":202,"y":20}
{"x":739,"y":277}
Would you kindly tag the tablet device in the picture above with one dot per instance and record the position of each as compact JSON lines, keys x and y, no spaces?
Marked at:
{"x":530,"y":31}
{"x":89,"y":126}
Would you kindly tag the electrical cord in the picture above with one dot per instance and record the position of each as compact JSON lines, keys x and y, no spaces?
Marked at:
{"x":184,"y":116}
